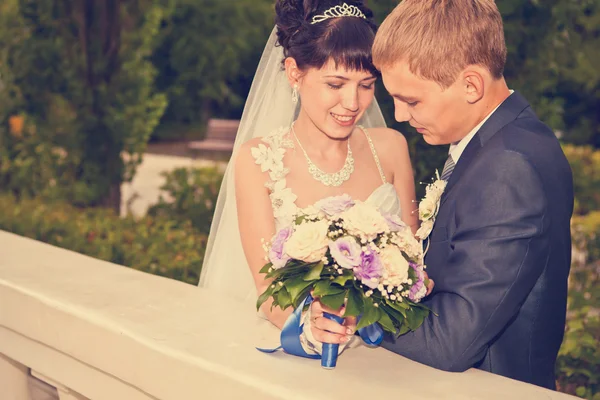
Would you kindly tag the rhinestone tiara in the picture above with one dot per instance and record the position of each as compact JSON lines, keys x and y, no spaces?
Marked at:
{"x":343,"y":10}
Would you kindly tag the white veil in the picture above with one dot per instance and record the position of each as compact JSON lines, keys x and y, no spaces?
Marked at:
{"x":269,"y":106}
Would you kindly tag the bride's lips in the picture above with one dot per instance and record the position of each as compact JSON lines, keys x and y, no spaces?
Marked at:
{"x":344,"y":120}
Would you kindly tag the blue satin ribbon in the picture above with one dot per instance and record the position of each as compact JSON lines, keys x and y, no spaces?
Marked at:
{"x":292,"y":329}
{"x":329,"y":354}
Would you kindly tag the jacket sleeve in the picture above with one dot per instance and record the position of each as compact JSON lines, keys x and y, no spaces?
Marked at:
{"x":496,"y":254}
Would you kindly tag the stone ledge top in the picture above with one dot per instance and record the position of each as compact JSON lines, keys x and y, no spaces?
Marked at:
{"x":172,"y":340}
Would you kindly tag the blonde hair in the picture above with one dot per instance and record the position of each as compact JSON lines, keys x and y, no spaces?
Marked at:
{"x":439,"y":38}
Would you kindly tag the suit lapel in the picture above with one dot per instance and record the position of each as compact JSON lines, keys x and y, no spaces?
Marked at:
{"x":508,"y":111}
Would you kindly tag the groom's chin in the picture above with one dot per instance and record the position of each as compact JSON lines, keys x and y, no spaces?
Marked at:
{"x":430,"y":140}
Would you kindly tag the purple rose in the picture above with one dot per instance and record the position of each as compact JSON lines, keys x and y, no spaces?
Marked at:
{"x":335,"y":205}
{"x":276,"y":255}
{"x":394,"y":222}
{"x":370,"y":267}
{"x":418,"y":290}
{"x":346,"y":252}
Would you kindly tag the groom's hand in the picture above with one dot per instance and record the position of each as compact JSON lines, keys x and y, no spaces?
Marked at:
{"x":325,"y":330}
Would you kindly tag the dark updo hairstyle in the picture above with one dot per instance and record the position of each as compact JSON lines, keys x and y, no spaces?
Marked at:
{"x":345,"y":40}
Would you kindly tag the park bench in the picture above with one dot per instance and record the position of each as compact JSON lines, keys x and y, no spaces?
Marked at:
{"x":220,"y":136}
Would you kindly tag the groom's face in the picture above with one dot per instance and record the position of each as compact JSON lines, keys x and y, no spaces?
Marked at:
{"x":437,"y":114}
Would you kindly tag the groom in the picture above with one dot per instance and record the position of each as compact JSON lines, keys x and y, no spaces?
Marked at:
{"x":500,"y":249}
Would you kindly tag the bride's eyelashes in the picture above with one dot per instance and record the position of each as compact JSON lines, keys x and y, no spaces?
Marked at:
{"x":364,"y":86}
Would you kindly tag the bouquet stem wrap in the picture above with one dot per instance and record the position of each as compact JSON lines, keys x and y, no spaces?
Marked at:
{"x":290,"y":337}
{"x":330,"y":350}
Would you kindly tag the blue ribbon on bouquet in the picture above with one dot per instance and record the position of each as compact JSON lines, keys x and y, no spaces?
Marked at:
{"x":292,"y":329}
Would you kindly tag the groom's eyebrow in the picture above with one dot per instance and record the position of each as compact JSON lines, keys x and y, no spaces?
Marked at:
{"x":405,"y":99}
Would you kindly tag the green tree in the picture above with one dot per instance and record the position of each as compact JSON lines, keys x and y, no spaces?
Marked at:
{"x":207,"y":56}
{"x":83,"y":79}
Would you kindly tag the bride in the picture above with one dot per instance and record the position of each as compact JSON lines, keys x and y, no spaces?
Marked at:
{"x":310,"y":129}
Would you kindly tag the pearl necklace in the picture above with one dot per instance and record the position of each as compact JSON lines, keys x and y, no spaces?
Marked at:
{"x":329,"y":179}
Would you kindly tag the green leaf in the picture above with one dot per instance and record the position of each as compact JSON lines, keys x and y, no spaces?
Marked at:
{"x":314,"y":273}
{"x":266,"y":268}
{"x":415,"y":317}
{"x":334,"y":301}
{"x":386,"y":322}
{"x":264,"y":297}
{"x":394,"y":314}
{"x":400,"y":307}
{"x":296,"y":286}
{"x":370,"y":315}
{"x":300,"y":219}
{"x":325,"y":288}
{"x":403,"y":329}
{"x":355,"y":303}
{"x":342,"y":279}
{"x":283,"y":298}
{"x":321,"y":288}
{"x":292,"y":268}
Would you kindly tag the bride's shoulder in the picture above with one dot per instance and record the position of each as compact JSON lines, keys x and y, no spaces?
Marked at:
{"x":387,"y":140}
{"x":265,"y":151}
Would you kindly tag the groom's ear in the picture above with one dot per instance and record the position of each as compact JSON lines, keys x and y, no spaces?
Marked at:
{"x":473,"y":82}
{"x":292,"y":71}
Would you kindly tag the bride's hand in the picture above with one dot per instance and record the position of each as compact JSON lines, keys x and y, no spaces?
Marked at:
{"x":327,"y":331}
{"x":430,"y":284}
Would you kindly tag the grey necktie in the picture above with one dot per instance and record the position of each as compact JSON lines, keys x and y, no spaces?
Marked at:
{"x":448,"y":168}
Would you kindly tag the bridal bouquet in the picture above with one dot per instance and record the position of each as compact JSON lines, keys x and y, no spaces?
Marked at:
{"x":347,"y":252}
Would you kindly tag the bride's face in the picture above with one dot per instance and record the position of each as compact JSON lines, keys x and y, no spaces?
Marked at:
{"x":336,"y":98}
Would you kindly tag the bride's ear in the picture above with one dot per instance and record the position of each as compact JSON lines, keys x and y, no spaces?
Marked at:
{"x":292,"y":71}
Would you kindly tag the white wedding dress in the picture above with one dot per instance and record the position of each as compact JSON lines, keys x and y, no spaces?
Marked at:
{"x":269,"y":106}
{"x":269,"y":156}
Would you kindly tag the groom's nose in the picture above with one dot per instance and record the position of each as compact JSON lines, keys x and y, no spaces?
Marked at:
{"x":401,"y":112}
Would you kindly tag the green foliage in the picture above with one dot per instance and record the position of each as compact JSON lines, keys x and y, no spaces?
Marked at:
{"x":208,"y":54}
{"x":154,"y":245}
{"x":578,"y":365}
{"x":191,"y":195}
{"x":81,"y":75}
{"x":585,"y":164}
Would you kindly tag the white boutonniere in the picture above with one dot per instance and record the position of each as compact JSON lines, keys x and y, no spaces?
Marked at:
{"x":429,"y":206}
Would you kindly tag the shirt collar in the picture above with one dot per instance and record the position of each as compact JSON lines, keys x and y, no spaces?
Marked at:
{"x":457,"y":148}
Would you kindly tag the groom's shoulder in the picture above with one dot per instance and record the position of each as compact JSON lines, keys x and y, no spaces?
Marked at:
{"x":526,"y":135}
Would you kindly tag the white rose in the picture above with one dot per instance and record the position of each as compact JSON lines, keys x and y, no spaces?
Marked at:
{"x":438,"y":188}
{"x":425,"y":229}
{"x":395,"y":265}
{"x":427,"y":207}
{"x":308,"y":242}
{"x":364,"y":219}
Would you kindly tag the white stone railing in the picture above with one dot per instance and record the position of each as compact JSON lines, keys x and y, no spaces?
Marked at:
{"x":73,"y":327}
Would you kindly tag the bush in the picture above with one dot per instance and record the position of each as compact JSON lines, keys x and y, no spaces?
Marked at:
{"x":585,"y":163}
{"x":154,"y":245}
{"x":191,"y":194}
{"x":578,"y":365}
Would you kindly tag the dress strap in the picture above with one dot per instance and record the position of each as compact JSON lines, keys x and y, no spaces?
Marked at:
{"x":375,"y":156}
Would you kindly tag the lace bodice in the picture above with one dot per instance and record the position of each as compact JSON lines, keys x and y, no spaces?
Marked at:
{"x":269,"y":155}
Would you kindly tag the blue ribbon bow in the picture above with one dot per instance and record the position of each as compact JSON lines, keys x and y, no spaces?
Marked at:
{"x":292,"y":329}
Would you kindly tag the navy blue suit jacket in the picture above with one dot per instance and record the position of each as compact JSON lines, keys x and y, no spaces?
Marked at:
{"x":499,"y":254}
